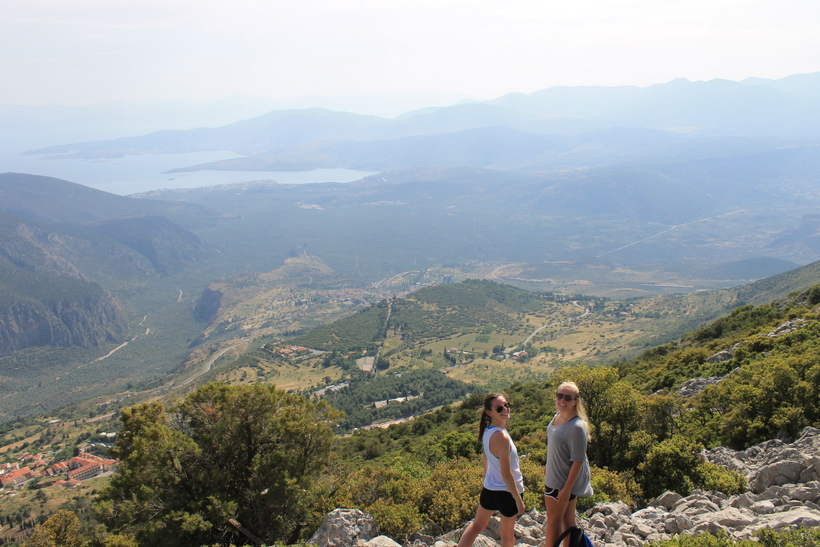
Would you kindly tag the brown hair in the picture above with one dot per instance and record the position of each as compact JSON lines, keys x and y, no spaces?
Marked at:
{"x":486,"y":419}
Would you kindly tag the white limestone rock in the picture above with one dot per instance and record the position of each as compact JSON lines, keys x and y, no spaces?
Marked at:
{"x":344,"y":527}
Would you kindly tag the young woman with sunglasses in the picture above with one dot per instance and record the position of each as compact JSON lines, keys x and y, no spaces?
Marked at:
{"x":503,"y":482}
{"x":567,"y":472}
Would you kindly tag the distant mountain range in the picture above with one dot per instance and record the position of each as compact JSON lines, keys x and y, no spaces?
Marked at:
{"x":557,"y":128}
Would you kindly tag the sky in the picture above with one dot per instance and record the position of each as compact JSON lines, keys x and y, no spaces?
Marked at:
{"x":99,"y":51}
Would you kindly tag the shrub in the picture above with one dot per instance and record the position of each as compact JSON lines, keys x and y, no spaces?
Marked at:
{"x":396,"y":520}
{"x":450,"y":495}
{"x":765,"y":538}
{"x":610,"y":486}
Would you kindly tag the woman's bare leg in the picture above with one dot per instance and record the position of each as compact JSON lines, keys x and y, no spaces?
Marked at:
{"x":507,"y":531}
{"x":556,"y":519}
{"x":480,"y":522}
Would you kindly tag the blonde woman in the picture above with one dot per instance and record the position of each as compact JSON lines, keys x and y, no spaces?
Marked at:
{"x":503,"y":481}
{"x":566,"y":474}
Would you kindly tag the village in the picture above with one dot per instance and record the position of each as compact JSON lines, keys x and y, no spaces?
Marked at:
{"x":69,"y":473}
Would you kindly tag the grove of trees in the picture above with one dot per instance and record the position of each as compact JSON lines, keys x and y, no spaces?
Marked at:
{"x":225,"y":456}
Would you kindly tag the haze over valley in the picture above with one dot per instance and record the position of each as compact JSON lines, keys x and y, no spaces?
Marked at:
{"x":623,"y":193}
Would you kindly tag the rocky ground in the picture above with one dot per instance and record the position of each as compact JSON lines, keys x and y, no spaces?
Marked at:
{"x":783,"y":492}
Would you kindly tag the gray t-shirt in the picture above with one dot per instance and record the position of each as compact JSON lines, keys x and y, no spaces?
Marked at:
{"x":567,"y":443}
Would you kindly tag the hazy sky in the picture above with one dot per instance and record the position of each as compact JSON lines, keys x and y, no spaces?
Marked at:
{"x":93,"y":51}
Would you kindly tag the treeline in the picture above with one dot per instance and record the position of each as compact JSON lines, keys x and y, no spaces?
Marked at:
{"x":427,"y":389}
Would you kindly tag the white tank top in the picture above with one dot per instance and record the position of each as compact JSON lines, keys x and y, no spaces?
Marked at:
{"x":493,"y":479}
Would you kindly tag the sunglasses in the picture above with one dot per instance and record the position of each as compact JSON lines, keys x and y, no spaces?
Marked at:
{"x":565,"y":396}
{"x":501,"y":408}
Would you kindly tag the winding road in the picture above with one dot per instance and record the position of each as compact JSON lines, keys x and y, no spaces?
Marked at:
{"x":542,"y":327}
{"x":210,"y":362}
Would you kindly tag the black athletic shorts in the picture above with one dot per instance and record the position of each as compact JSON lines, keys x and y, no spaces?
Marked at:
{"x":498,"y":500}
{"x":553,"y":493}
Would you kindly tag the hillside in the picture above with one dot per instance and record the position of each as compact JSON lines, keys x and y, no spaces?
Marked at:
{"x":45,"y":300}
{"x":44,"y":309}
{"x":47,"y":199}
{"x":432,"y":313}
{"x":448,"y":311}
{"x":70,"y":295}
{"x":469,"y":330}
{"x":691,"y":311}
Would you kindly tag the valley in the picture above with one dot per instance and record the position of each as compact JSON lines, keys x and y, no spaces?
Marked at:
{"x":492,"y":246}
{"x":265,"y":261}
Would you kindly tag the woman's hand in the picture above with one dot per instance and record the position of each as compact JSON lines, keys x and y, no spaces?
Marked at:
{"x":519,"y":502}
{"x":564,"y":494}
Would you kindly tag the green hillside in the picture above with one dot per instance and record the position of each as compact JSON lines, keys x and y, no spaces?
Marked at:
{"x":434,"y":312}
{"x":684,"y":313}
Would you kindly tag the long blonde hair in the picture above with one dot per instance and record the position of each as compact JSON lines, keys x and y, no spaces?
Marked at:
{"x":579,"y":407}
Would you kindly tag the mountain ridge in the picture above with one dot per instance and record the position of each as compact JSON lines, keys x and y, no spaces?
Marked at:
{"x":690,"y":110}
{"x":33,"y":197}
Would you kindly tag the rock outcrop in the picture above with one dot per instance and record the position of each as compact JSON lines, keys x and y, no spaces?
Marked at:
{"x":784,"y":481}
{"x":774,"y":463}
{"x":690,"y":388}
{"x":86,"y":317}
{"x":344,"y":527}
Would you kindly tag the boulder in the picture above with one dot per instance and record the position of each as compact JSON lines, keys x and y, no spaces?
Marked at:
{"x":777,"y":474}
{"x":484,"y":541}
{"x":667,"y":500}
{"x":379,"y":541}
{"x":677,"y":524}
{"x":731,"y":517}
{"x":798,"y":517}
{"x":786,"y":327}
{"x":343,"y":528}
{"x":692,"y":387}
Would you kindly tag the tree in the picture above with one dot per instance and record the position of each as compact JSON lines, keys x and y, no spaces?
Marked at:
{"x":675,"y":464}
{"x":246,"y":453}
{"x":61,"y":530}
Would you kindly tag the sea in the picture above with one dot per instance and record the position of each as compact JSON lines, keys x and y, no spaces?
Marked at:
{"x":140,"y":173}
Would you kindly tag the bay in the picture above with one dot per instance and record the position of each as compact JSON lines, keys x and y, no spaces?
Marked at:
{"x":140,"y":173}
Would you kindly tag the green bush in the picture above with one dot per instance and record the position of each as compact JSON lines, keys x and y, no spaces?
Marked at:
{"x":704,"y":540}
{"x":670,"y":465}
{"x":765,"y":538}
{"x":610,"y":486}
{"x":719,"y":479}
{"x":396,"y":520}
